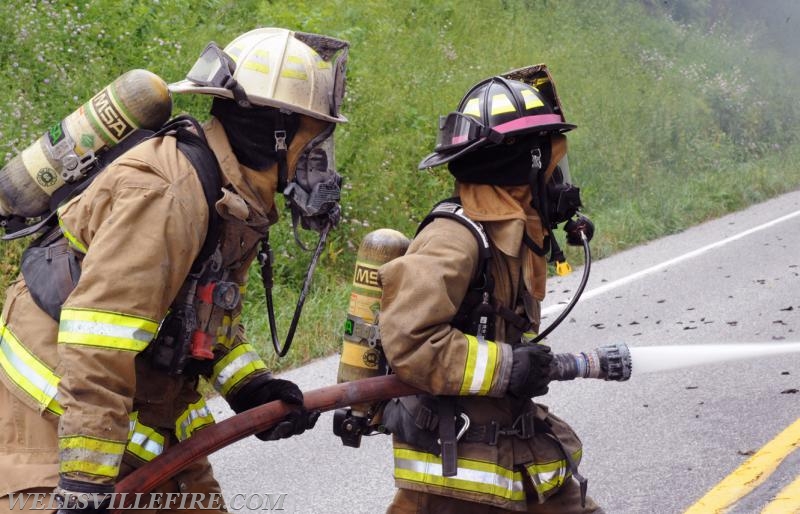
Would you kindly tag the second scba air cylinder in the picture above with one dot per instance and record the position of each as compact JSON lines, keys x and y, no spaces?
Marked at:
{"x":138,"y":99}
{"x":361,"y":354}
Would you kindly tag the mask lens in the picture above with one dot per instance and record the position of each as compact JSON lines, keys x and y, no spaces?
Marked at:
{"x":563,"y":165}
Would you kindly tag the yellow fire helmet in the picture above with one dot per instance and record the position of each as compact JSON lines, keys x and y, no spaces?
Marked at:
{"x":274,"y":67}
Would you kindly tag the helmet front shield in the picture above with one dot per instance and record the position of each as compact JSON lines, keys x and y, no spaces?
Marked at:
{"x":334,"y":51}
{"x":538,"y":76}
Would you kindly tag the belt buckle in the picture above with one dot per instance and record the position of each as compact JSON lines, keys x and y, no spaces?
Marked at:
{"x":523,"y":426}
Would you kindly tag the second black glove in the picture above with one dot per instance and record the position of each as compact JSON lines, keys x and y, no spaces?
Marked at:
{"x":264,"y":389}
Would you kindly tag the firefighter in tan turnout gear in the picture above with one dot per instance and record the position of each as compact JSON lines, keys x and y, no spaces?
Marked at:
{"x":154,"y":263}
{"x":460,"y":309}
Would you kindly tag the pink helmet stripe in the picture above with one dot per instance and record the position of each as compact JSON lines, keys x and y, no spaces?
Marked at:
{"x":528,"y":122}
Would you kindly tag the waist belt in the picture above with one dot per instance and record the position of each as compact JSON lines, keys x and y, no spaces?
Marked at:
{"x":489,"y":433}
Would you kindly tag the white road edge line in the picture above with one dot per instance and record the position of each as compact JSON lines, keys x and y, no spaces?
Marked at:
{"x":694,"y":253}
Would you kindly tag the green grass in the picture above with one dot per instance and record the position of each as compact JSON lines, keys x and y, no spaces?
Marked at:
{"x":678,"y":123}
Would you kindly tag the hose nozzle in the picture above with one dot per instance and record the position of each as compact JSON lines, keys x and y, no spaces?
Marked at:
{"x":611,"y":362}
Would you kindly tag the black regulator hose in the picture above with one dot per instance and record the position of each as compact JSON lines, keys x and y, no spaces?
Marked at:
{"x":265,"y":258}
{"x":579,"y":231}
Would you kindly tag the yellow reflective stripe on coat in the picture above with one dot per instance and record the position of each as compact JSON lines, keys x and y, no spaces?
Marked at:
{"x":143,"y":441}
{"x":28,"y":372}
{"x":551,"y":475}
{"x":90,"y":455}
{"x":473,"y":476}
{"x":73,"y":240}
{"x":108,"y":330}
{"x":481,"y":361}
{"x":236,"y":365}
{"x":196,"y":416}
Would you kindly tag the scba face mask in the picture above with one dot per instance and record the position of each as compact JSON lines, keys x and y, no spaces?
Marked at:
{"x":563,"y":197}
{"x":313,"y":194}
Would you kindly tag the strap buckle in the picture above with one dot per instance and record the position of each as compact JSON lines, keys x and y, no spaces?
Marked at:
{"x":464,"y":427}
{"x":280,"y":140}
{"x":521,"y":428}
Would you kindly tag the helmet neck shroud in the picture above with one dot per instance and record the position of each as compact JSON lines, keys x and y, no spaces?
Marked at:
{"x":505,"y":164}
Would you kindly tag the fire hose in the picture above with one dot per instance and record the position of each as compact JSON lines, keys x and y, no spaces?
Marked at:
{"x":611,"y":363}
{"x":255,"y":420}
{"x":594,"y":364}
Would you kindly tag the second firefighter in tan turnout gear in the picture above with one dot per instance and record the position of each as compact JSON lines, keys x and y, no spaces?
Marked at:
{"x":459,"y":326}
{"x":100,"y":389}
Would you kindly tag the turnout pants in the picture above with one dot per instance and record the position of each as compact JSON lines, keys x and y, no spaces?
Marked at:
{"x":566,"y":501}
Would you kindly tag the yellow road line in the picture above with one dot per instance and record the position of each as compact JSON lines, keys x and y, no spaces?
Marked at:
{"x":787,"y":501}
{"x":752,"y":473}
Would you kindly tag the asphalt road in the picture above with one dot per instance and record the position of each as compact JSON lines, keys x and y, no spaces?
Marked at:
{"x":655,"y":444}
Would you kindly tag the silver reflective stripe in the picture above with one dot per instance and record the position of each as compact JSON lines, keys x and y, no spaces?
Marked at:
{"x":231,"y":369}
{"x":48,"y":390}
{"x":481,"y":362}
{"x":466,"y":474}
{"x":147,"y":444}
{"x":188,"y":425}
{"x":105,"y":329}
{"x":96,"y":458}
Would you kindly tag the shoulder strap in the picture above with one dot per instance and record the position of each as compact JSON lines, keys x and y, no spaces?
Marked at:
{"x":451,"y":208}
{"x":195,"y":147}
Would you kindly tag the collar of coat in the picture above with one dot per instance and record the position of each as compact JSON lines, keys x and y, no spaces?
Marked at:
{"x":505,"y":212}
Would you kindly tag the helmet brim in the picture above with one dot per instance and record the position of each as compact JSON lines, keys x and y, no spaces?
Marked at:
{"x":188,"y":87}
{"x":439,"y":158}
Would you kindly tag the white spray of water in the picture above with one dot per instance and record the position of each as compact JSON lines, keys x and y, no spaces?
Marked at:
{"x":646,"y":359}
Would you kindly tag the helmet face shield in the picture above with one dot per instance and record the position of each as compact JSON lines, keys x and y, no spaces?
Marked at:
{"x":457,"y":130}
{"x":213,"y":68}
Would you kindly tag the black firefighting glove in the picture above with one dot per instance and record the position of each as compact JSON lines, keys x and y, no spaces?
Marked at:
{"x":530,"y":371}
{"x":78,"y":497}
{"x":264,"y":389}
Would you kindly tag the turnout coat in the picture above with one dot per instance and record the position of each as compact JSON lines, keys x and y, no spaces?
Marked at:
{"x":422,"y":291}
{"x":79,"y":397}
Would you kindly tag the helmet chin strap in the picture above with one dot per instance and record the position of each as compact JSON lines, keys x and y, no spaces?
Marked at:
{"x":539,"y":203}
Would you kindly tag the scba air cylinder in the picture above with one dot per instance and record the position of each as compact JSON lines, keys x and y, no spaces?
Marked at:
{"x":137,"y":99}
{"x":361,"y":354}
